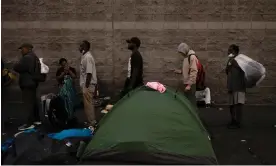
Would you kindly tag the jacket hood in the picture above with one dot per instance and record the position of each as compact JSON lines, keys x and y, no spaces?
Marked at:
{"x":183,"y":48}
{"x":191,"y":52}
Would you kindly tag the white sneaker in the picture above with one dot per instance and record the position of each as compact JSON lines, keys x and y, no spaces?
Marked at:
{"x":37,"y":123}
{"x":26,"y":127}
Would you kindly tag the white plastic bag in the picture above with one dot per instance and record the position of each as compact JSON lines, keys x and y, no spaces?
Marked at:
{"x":44,"y":68}
{"x":254,"y":71}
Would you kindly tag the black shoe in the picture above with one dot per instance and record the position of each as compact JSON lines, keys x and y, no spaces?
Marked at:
{"x":233,"y":125}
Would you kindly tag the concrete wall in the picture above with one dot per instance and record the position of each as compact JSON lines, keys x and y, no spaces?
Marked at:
{"x":55,"y":27}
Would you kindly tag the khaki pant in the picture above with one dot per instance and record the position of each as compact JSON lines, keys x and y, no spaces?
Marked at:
{"x":88,"y":104}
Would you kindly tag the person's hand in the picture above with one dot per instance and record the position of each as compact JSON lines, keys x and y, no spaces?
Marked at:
{"x":86,"y":85}
{"x":66,"y":68}
{"x":188,"y":87}
{"x":177,"y":71}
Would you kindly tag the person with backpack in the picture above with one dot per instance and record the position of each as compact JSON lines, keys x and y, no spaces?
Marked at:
{"x":189,"y":71}
{"x":29,"y":69}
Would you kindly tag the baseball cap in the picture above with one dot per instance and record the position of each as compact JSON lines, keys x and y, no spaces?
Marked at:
{"x":26,"y":45}
{"x":134,"y":40}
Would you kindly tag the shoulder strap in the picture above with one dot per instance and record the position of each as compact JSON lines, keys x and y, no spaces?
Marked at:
{"x":37,"y":63}
{"x":189,"y":58}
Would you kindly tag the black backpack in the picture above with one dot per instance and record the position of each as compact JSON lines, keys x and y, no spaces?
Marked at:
{"x":57,"y":114}
{"x":38,"y":76}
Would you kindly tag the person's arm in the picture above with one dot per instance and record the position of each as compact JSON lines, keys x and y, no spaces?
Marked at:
{"x":72,"y":73}
{"x":7,"y":83}
{"x":193,"y":70}
{"x":23,"y":65}
{"x":227,"y":66}
{"x":89,"y":69}
{"x":60,"y":74}
{"x":135,"y":64}
{"x":177,"y":71}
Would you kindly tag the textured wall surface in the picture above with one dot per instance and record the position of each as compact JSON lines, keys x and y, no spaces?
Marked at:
{"x":56,"y":27}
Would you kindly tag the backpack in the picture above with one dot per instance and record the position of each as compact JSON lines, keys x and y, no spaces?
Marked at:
{"x":200,"y":79}
{"x":38,"y":76}
{"x":57,"y":114}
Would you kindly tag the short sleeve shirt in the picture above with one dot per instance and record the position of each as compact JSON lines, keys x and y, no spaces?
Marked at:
{"x":88,"y":66}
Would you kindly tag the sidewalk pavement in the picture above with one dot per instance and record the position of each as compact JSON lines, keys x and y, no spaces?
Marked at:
{"x":253,"y":144}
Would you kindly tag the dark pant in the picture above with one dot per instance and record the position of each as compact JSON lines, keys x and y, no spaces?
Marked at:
{"x":236,"y":111}
{"x":126,"y":90}
{"x":30,"y":103}
{"x":190,"y":94}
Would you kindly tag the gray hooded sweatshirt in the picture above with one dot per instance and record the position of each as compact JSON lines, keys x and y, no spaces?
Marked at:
{"x":189,"y":70}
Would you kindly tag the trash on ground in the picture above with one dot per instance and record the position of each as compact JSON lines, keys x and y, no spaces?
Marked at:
{"x":221,"y":109}
{"x":243,"y":140}
{"x":104,"y":111}
{"x":107,"y":98}
{"x":109,"y":107}
{"x":69,"y":144}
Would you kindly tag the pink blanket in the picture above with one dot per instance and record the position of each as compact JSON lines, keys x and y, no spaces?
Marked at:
{"x":157,"y":86}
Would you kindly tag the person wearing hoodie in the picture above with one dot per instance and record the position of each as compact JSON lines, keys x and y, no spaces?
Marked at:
{"x":189,"y":71}
{"x":26,"y":68}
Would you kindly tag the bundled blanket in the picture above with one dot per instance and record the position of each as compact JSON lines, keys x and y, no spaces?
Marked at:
{"x":254,"y":71}
{"x":68,"y":94}
{"x":157,"y":86}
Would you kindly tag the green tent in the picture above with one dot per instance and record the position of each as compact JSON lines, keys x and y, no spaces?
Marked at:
{"x":148,"y":127}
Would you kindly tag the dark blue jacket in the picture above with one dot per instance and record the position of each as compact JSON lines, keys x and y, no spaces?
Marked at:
{"x":26,"y":68}
{"x":235,"y":77}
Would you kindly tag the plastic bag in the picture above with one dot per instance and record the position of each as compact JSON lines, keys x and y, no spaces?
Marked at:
{"x":44,"y":68}
{"x":254,"y":71}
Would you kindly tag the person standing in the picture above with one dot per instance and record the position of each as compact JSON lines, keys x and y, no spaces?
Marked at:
{"x":65,"y":70}
{"x":236,"y":86}
{"x":189,"y":71}
{"x":27,"y":67}
{"x":135,"y":66}
{"x":88,"y":81}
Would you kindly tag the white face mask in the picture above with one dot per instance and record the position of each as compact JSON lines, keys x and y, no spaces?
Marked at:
{"x":83,"y":51}
{"x":230,"y":55}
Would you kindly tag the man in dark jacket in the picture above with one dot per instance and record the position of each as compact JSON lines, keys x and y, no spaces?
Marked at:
{"x":236,"y":87}
{"x":135,"y":67}
{"x":26,"y":67}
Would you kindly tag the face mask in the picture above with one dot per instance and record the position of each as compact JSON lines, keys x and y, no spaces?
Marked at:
{"x":230,"y":55}
{"x":83,"y":52}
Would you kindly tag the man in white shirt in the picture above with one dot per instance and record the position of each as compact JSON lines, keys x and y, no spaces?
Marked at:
{"x":88,"y":81}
